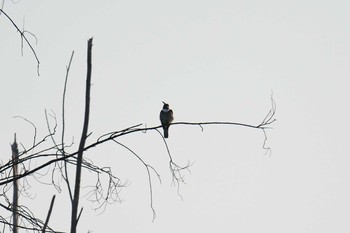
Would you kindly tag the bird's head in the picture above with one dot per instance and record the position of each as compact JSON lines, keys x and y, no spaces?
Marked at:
{"x":165,"y":106}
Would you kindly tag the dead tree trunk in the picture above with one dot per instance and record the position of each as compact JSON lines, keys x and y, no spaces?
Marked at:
{"x":75,"y":203}
{"x":14,"y":149}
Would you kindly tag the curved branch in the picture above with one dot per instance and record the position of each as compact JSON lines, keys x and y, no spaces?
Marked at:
{"x":175,"y":169}
{"x":147,"y":166}
{"x":23,"y":37}
{"x":32,"y":124}
{"x":268,"y":120}
{"x":65,"y":174}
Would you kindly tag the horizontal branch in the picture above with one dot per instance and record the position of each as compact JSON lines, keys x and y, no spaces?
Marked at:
{"x":266,"y":122}
{"x":220,"y":123}
{"x":119,"y":134}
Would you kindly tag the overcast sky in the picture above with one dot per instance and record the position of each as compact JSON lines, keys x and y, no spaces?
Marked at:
{"x":211,"y":61}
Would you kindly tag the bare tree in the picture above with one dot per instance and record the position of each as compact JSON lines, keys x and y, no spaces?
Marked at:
{"x":49,"y":157}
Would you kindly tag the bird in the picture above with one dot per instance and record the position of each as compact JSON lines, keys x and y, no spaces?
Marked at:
{"x":166,"y":117}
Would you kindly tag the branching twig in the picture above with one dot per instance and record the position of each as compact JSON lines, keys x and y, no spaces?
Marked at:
{"x":112,"y":135}
{"x":32,"y":124}
{"x":23,"y":37}
{"x":147,"y":166}
{"x":175,"y":169}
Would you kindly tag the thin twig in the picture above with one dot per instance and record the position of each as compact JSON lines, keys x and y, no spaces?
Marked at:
{"x":65,"y":176}
{"x":25,"y":38}
{"x":31,"y":123}
{"x":147,"y":166}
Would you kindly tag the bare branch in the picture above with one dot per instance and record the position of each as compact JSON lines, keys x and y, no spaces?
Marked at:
{"x":35,"y":130}
{"x":49,"y":214}
{"x":23,"y":37}
{"x":147,"y":166}
{"x":175,"y":169}
{"x":64,"y":99}
{"x":115,"y":134}
{"x":65,"y":176}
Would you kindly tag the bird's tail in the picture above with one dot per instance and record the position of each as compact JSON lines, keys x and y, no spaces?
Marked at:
{"x":166,"y":130}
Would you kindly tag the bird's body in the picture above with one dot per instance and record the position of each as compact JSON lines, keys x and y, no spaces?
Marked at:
{"x":166,"y":117}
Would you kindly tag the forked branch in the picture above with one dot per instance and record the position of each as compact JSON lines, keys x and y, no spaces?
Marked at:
{"x":21,"y":32}
{"x":265,"y":124}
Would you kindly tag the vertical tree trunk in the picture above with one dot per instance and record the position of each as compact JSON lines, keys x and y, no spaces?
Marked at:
{"x":14,"y":149}
{"x":75,"y":204}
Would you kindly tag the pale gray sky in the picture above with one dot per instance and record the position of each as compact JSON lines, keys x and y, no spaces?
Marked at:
{"x":210,"y":60}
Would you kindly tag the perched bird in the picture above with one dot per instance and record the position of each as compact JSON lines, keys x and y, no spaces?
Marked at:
{"x":166,"y":117}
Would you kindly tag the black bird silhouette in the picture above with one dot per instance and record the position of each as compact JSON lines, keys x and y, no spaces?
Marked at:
{"x":166,"y":117}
